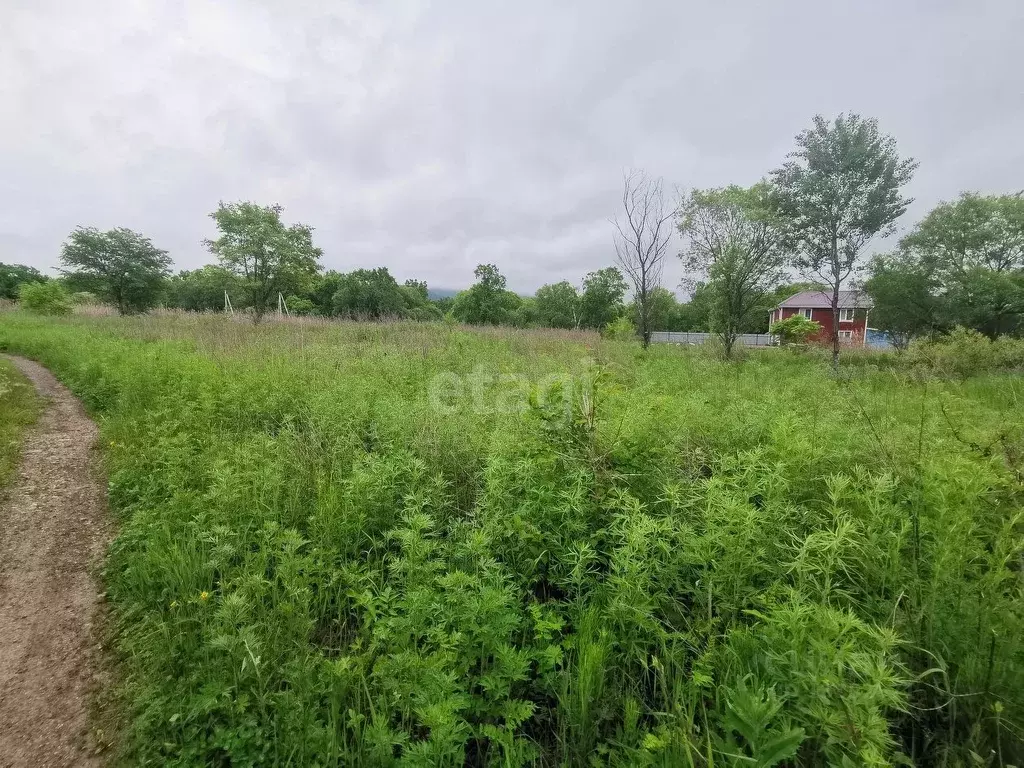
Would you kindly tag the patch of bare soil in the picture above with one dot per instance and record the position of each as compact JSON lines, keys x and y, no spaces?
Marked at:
{"x":53,"y":532}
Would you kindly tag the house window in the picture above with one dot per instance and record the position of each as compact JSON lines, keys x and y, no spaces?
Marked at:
{"x":805,"y":312}
{"x":846,"y":315}
{"x":846,"y":335}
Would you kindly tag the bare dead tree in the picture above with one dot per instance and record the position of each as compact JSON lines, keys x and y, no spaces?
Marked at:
{"x":641,"y":241}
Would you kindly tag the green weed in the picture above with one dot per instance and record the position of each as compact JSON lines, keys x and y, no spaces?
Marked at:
{"x":677,"y":561}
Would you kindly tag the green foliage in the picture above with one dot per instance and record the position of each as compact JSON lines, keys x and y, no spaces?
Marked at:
{"x":620,"y":329}
{"x":203,"y":289}
{"x":120,"y":266}
{"x":300,"y":305}
{"x":267,"y":257}
{"x":795,"y":329}
{"x":558,"y":305}
{"x":486,"y":302}
{"x":905,"y":297}
{"x":736,"y":247}
{"x":841,"y":187}
{"x":965,"y":352}
{"x":765,"y":738}
{"x":596,"y":555}
{"x":663,"y":310}
{"x":963,"y":265}
{"x":19,"y":408}
{"x":369,"y":294}
{"x":975,"y":231}
{"x":49,"y":298}
{"x":12,"y":276}
{"x":601,"y":301}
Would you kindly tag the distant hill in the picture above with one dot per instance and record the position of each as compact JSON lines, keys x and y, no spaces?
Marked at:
{"x":440,"y":293}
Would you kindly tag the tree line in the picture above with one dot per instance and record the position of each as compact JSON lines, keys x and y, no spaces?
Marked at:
{"x":815,"y":217}
{"x":807,"y":224}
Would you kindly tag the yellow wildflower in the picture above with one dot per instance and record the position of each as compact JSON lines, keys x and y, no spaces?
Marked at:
{"x":204,"y":595}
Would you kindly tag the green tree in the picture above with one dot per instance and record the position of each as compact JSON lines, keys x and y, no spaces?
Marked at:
{"x":417,"y":289}
{"x":558,"y":305}
{"x":268,"y":257}
{"x":418,"y":305}
{"x":602,"y":297}
{"x":839,"y":189}
{"x":974,"y":249}
{"x":486,"y":302}
{"x":906,"y":299}
{"x":986,"y":300}
{"x":203,"y":289}
{"x":12,"y":276}
{"x":369,"y":294}
{"x":46,"y":298}
{"x":733,"y":240}
{"x":975,"y":231}
{"x":321,"y":290}
{"x":663,"y":310}
{"x":695,"y":314}
{"x":120,"y":266}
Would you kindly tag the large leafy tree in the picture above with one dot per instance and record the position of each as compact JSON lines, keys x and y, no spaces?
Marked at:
{"x":841,"y":187}
{"x":973,"y":249}
{"x":13,"y":275}
{"x":120,"y":266}
{"x":371,"y":294}
{"x":268,"y":257}
{"x":558,"y":305}
{"x":602,"y":298}
{"x":486,"y":302}
{"x":733,"y":241}
{"x":905,"y":295}
{"x":975,"y":231}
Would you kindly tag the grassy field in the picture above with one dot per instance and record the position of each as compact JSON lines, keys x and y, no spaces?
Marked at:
{"x":19,"y":407}
{"x":411,"y":544}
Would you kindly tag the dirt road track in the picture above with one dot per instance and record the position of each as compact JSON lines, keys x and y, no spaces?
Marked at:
{"x":53,"y":531}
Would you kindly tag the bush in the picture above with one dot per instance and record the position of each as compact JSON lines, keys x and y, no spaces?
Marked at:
{"x":965,"y":352}
{"x":621,"y":328}
{"x":795,"y":330}
{"x":299,"y":305}
{"x":49,"y":298}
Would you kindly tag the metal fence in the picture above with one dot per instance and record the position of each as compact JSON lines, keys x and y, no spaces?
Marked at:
{"x":746,"y":339}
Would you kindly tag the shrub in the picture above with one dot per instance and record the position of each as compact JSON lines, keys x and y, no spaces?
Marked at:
{"x":299,"y":305}
{"x":795,"y":330}
{"x":49,"y":298}
{"x":964,"y":352}
{"x":621,"y":328}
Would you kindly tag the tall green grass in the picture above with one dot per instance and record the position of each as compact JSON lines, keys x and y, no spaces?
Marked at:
{"x":694,"y":563}
{"x":19,"y":408}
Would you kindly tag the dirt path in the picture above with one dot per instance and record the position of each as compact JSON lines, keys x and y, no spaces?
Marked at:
{"x":53,"y":530}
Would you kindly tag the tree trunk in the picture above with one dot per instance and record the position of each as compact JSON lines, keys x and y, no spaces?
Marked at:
{"x":835,"y":328}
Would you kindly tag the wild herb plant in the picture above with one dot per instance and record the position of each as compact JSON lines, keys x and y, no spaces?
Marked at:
{"x":671,"y":560}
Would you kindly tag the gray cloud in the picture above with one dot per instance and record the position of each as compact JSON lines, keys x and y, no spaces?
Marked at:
{"x":431,"y":137}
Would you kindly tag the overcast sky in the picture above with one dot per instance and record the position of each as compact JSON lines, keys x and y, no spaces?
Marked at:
{"x":430,"y":137}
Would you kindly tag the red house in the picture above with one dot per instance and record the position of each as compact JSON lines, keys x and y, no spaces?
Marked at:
{"x":817,"y":306}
